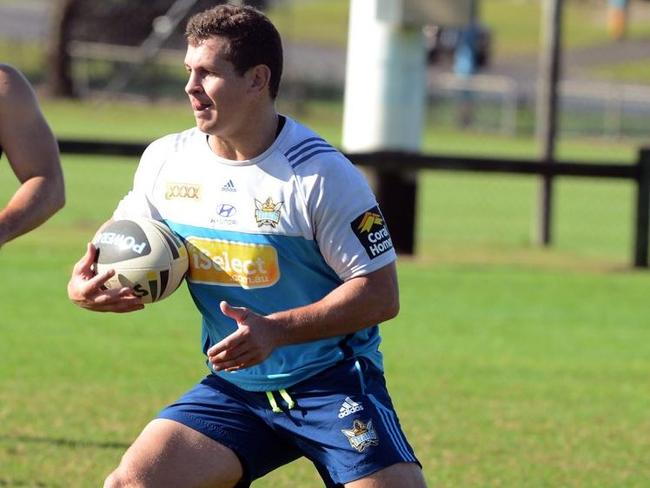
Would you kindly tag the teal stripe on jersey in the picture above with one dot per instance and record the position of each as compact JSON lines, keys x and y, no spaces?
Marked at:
{"x":304,"y":278}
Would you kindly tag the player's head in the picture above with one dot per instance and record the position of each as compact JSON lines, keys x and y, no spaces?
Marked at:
{"x":251,"y":38}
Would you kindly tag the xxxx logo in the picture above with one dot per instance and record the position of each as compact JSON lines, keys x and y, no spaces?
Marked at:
{"x":182,"y":190}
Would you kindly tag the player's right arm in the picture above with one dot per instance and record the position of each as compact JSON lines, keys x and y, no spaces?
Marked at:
{"x":86,"y":287}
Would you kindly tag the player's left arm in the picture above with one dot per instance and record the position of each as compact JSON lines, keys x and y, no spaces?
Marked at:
{"x":33,"y":155}
{"x":360,"y":302}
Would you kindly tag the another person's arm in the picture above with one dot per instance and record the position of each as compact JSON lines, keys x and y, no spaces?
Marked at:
{"x":33,"y":154}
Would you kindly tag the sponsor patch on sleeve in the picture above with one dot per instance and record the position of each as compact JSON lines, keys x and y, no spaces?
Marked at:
{"x":371,"y":230}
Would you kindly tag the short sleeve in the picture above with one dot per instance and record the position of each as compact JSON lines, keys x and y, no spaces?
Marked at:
{"x":139,"y":201}
{"x":347,"y":222}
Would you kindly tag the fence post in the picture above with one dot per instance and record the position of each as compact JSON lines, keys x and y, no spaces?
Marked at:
{"x":642,"y":210}
{"x":396,"y":193}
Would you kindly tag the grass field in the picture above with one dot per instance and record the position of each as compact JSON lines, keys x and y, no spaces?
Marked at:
{"x":510,"y":365}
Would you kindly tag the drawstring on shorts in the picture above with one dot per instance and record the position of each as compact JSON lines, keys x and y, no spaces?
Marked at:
{"x":285,"y":396}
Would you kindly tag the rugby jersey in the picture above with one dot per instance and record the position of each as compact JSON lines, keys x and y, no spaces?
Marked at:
{"x":272,"y":233}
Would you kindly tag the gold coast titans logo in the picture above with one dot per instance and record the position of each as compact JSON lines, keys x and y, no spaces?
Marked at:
{"x":361,"y":435}
{"x":267,"y":212}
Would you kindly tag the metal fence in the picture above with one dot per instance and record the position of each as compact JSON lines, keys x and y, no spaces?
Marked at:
{"x":501,"y":104}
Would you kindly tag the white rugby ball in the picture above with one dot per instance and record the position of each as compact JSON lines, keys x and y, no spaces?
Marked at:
{"x":146,"y":256}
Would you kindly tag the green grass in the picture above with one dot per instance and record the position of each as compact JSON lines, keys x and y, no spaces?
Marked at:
{"x":510,"y":365}
{"x":625,"y":72}
{"x":323,"y":22}
{"x":129,"y":122}
{"x":28,"y":56}
{"x":135,"y":122}
{"x":515,"y":24}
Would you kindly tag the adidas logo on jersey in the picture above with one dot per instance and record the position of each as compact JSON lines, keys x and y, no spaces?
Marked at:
{"x":230,"y":186}
{"x":349,"y":407}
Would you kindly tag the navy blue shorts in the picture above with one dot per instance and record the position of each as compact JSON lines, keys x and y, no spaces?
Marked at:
{"x":341,"y":419}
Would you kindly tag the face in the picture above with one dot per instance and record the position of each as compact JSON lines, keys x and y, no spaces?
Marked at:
{"x":220,"y":97}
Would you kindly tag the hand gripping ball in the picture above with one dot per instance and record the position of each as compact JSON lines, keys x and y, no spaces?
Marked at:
{"x":146,"y":256}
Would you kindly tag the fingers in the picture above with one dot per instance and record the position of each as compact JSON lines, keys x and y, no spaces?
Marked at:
{"x":110,"y":301}
{"x":233,"y":352}
{"x":97,"y":282}
{"x":122,"y":306}
{"x":230,"y":343}
{"x":84,"y":265}
{"x":82,"y":288}
{"x":88,"y":290}
{"x":242,"y":362}
{"x":234,"y":340}
{"x":246,"y":346}
{"x":234,"y":359}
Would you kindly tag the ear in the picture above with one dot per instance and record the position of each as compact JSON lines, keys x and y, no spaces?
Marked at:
{"x":259,"y":78}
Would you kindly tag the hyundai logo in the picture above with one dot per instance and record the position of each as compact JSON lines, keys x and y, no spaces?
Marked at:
{"x":226,"y":210}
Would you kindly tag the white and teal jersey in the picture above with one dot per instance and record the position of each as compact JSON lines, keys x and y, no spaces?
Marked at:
{"x":272,"y":233}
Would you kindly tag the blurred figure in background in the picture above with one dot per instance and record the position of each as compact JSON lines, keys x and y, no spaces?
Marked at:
{"x":465,"y":66}
{"x":33,"y":155}
{"x":617,"y":18}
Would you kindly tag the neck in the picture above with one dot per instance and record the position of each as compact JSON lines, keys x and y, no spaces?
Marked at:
{"x":250,"y":141}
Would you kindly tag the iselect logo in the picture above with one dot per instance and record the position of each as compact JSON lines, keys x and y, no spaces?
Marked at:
{"x":370,"y":229}
{"x":230,"y":263}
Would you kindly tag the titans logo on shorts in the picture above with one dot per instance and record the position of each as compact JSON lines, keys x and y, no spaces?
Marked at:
{"x":372,"y":232}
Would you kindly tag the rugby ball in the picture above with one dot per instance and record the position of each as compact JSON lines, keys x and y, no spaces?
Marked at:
{"x":146,"y":256}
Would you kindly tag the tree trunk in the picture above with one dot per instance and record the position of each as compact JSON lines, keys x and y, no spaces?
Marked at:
{"x":59,"y":76}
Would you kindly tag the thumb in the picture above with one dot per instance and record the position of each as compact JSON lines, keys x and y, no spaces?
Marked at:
{"x":238,"y":314}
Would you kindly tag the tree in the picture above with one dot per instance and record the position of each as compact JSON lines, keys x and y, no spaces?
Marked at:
{"x":59,"y":78}
{"x":121,"y":22}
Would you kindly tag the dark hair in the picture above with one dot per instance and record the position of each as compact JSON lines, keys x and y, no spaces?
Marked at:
{"x":252,"y":38}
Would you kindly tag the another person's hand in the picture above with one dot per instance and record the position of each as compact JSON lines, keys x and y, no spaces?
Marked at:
{"x":255,"y":338}
{"x":86,"y":289}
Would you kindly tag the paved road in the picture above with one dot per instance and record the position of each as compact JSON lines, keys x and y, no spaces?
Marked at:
{"x":24,"y":20}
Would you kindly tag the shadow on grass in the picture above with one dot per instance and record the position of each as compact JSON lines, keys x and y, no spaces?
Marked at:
{"x":30,"y":483}
{"x":61,"y":442}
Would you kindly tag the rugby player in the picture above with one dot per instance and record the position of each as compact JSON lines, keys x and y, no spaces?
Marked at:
{"x":292,"y":269}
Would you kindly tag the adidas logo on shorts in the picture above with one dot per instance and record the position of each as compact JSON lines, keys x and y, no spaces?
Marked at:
{"x":349,"y":407}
